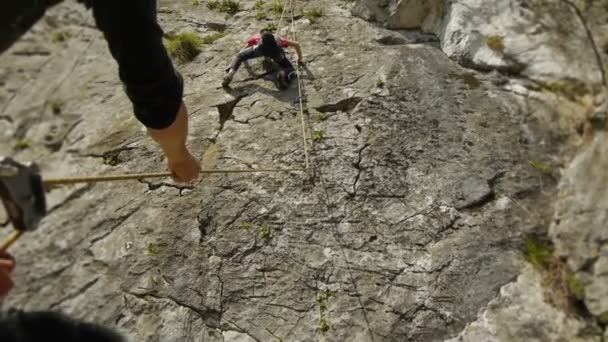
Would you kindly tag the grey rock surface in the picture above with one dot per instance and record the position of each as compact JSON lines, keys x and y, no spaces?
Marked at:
{"x":534,"y":39}
{"x":509,"y":318}
{"x":407,"y":224}
{"x":580,"y":225}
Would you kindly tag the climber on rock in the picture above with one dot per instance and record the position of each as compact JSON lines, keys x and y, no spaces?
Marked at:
{"x":271,"y":46}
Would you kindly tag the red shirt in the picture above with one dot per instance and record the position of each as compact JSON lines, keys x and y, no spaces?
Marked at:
{"x":253,"y":40}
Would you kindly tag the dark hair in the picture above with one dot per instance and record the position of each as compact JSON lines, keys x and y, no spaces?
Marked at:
{"x":269,"y":46}
{"x":47,"y":326}
{"x":268,"y":38}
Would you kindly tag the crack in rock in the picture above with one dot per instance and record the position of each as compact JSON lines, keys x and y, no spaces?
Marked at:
{"x":74,"y":294}
{"x":344,"y":105}
{"x":209,"y":316}
{"x":225,"y":109}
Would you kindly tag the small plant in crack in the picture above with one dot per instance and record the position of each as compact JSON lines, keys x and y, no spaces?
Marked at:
{"x":61,"y":36}
{"x":226,"y":6}
{"x":246,"y":226}
{"x":22,"y":144}
{"x":537,"y":252}
{"x":495,"y":43}
{"x":322,"y":301}
{"x":209,"y":39}
{"x":321,"y":117}
{"x":56,"y":106}
{"x":265,"y":231}
{"x":314,"y":13}
{"x":259,"y":15}
{"x":153,"y":249}
{"x":318,"y":135}
{"x":543,"y":168}
{"x":111,"y":159}
{"x":276,"y":7}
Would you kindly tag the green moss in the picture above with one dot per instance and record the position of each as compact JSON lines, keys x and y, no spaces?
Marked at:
{"x":277,"y":7}
{"x":568,"y":88}
{"x":314,"y":13}
{"x":322,"y":301}
{"x":271,"y":27}
{"x":576,"y":289}
{"x":541,"y":167}
{"x":22,"y":144}
{"x":265,"y":231}
{"x":56,"y":106}
{"x":538,"y":253}
{"x":495,"y":43}
{"x":259,"y":5}
{"x":61,"y":36}
{"x":467,"y":78}
{"x":111,"y":159}
{"x":153,"y":249}
{"x":195,"y":3}
{"x":603,"y":318}
{"x":246,"y":226}
{"x":259,"y":15}
{"x":225,"y":6}
{"x":321,"y":117}
{"x":210,"y":38}
{"x":318,"y":135}
{"x":184,"y":46}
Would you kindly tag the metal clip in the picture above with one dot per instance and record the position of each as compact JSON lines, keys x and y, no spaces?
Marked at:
{"x":22,"y":193}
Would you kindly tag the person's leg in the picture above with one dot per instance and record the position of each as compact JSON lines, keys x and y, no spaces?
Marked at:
{"x":151,"y":82}
{"x":240,"y":57}
{"x":287,"y":72}
{"x":135,"y":41}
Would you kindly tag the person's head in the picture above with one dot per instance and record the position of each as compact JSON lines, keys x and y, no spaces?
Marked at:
{"x":268,"y":38}
{"x":268,"y":44}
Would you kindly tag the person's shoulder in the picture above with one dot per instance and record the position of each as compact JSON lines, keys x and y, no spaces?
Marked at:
{"x":252,"y":40}
{"x":284,"y":41}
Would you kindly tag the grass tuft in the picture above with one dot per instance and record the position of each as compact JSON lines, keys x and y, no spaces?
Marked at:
{"x":318,"y":135}
{"x":538,"y":253}
{"x":225,"y":6}
{"x":22,"y":144}
{"x":495,"y":43}
{"x":277,"y":7}
{"x":209,"y":39}
{"x":322,"y":301}
{"x":314,"y":14}
{"x":184,"y":46}
{"x":61,"y":36}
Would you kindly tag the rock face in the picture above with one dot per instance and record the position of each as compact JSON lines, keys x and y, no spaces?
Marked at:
{"x":579,"y":226}
{"x":407,"y":224}
{"x":509,"y":318}
{"x":535,"y":39}
{"x":402,"y":14}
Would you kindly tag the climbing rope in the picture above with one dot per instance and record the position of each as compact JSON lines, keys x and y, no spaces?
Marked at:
{"x":6,"y":243}
{"x":305,"y":142}
{"x":52,"y":182}
{"x":278,"y":25}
